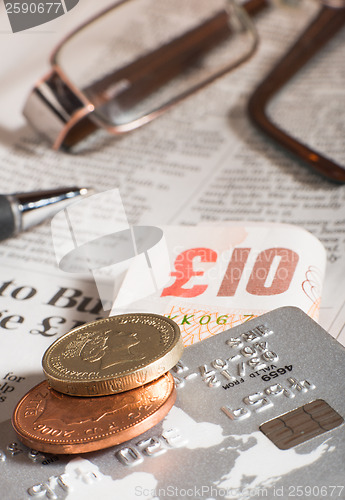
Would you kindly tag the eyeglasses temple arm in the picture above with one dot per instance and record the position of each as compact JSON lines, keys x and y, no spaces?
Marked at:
{"x":326,"y":24}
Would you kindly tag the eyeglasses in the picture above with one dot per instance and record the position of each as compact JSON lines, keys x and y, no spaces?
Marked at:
{"x":134,"y":61}
{"x":326,"y":129}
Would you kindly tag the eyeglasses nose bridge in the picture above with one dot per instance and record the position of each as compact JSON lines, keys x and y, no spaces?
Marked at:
{"x":58,"y":111}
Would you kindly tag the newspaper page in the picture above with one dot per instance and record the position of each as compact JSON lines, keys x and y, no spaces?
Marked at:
{"x":201,"y":163}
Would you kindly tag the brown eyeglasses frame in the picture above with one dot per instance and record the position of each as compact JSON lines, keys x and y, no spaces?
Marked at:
{"x":323,"y":27}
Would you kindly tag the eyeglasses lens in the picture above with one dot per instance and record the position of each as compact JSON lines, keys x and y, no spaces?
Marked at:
{"x":144,"y":55}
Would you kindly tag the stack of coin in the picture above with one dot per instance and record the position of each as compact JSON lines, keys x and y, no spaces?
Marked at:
{"x":107,"y":382}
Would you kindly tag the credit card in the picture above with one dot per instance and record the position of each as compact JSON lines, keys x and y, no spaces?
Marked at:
{"x":259,"y":414}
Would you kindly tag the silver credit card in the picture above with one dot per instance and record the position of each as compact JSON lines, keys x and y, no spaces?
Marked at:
{"x":259,"y":414}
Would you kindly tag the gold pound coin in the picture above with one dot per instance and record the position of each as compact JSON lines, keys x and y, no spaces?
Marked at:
{"x":113,"y":355}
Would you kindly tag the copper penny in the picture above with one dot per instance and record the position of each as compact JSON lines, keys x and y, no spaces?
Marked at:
{"x":113,"y":355}
{"x":49,"y":421}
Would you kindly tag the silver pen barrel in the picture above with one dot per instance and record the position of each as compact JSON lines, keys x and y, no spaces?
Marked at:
{"x":20,"y":211}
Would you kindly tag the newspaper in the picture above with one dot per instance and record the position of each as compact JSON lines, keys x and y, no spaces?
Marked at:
{"x":200,"y":164}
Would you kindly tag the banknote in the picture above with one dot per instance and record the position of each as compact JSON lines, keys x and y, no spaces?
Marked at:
{"x":222,"y":276}
{"x":259,"y":414}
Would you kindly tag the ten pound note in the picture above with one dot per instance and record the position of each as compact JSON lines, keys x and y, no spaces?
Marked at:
{"x":223,"y":276}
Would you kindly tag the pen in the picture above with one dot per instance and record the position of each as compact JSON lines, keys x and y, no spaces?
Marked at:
{"x":20,"y":211}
